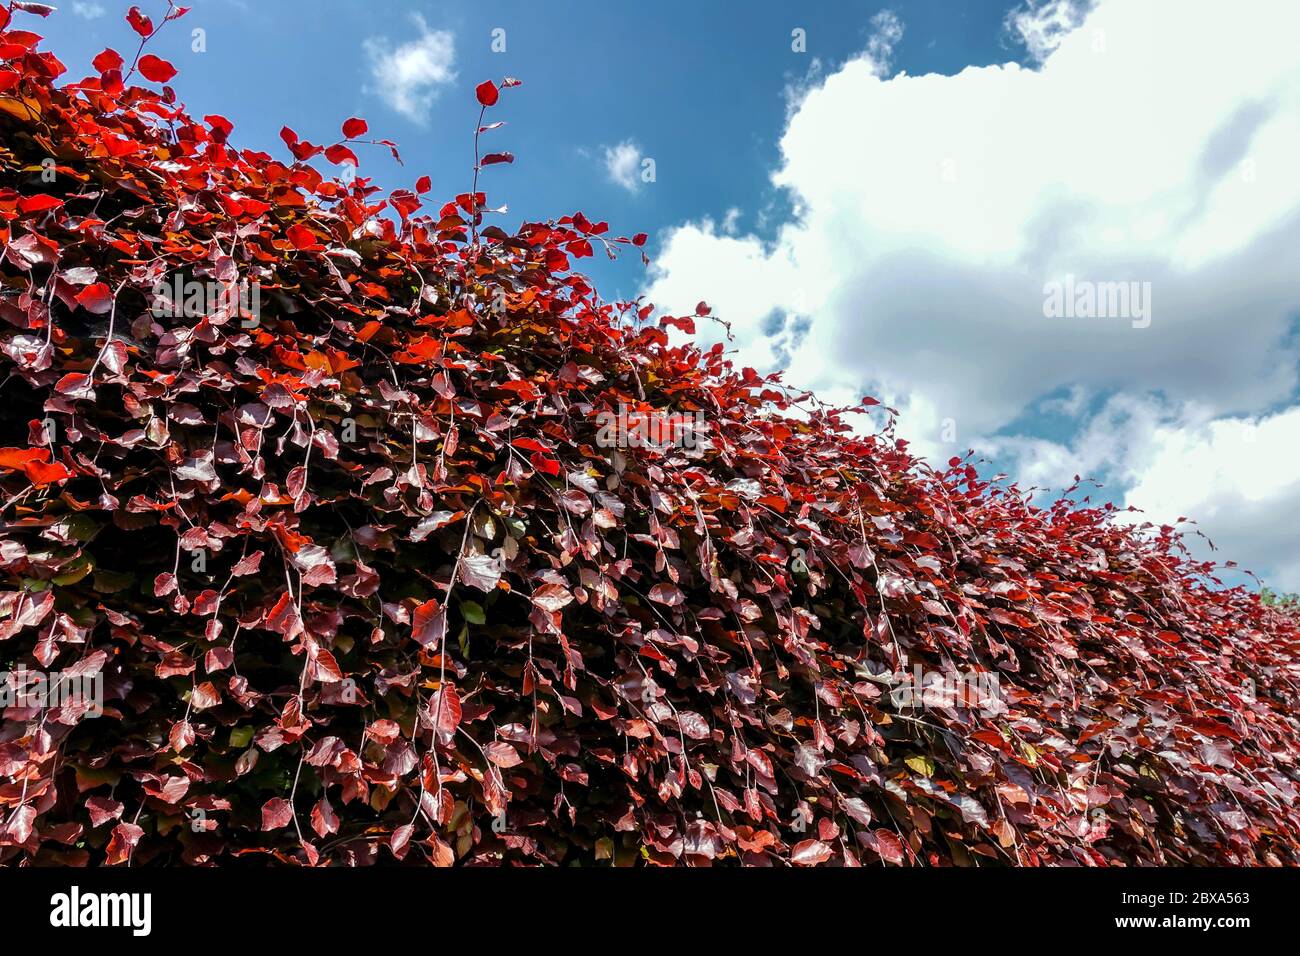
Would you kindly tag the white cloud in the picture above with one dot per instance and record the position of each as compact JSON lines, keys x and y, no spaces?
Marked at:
{"x":1041,"y":25}
{"x":887,"y":30}
{"x":1235,"y":476}
{"x":1238,"y":478}
{"x":930,"y":211}
{"x":623,"y":164}
{"x":1069,"y":405}
{"x":409,"y":76}
{"x":88,"y":9}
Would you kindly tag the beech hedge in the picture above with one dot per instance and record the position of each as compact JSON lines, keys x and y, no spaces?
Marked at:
{"x":363,"y":577}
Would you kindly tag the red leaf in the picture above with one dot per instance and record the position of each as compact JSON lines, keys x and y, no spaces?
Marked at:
{"x":38,"y":203}
{"x":888,"y":846}
{"x":219,"y":658}
{"x":139,"y":22}
{"x":114,"y":356}
{"x":109,"y":59}
{"x":481,"y":571}
{"x":668,"y":594}
{"x":400,"y":841}
{"x":124,"y":840}
{"x":102,"y":809}
{"x":221,"y":127}
{"x":502,"y":754}
{"x":156,"y":69}
{"x":428,"y":623}
{"x":354,"y":127}
{"x":487,"y":93}
{"x":339,"y":154}
{"x":97,"y":298}
{"x":42,"y":473}
{"x":284,"y":618}
{"x":20,"y":825}
{"x":445,"y":709}
{"x":16,"y":459}
{"x":495,"y":796}
{"x":181,"y":736}
{"x":327,"y":668}
{"x":810,"y":853}
{"x":74,"y":385}
{"x":693,"y":725}
{"x":247,"y":565}
{"x":276,"y":814}
{"x":323,"y":818}
{"x":552,"y":597}
{"x":302,"y":237}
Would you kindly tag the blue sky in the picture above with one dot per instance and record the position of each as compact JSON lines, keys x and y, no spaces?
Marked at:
{"x":697,"y":87}
{"x":882,"y":211}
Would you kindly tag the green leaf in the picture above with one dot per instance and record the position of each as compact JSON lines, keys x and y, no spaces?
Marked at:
{"x":108,"y":582}
{"x":473,"y":612}
{"x":80,"y":527}
{"x":922,"y":765}
{"x":76,"y":571}
{"x":240,"y":736}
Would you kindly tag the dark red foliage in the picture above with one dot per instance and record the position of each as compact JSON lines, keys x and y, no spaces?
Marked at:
{"x":363,"y":585}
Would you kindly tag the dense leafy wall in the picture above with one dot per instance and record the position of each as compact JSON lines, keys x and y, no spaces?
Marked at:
{"x":363,"y":582}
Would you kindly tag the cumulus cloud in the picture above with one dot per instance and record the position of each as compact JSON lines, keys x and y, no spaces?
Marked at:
{"x":886,"y":31}
{"x":931,"y":213}
{"x":1235,"y":476}
{"x":409,"y":76}
{"x":1238,"y":477}
{"x":623,"y":165}
{"x":1041,"y":25}
{"x":88,"y":9}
